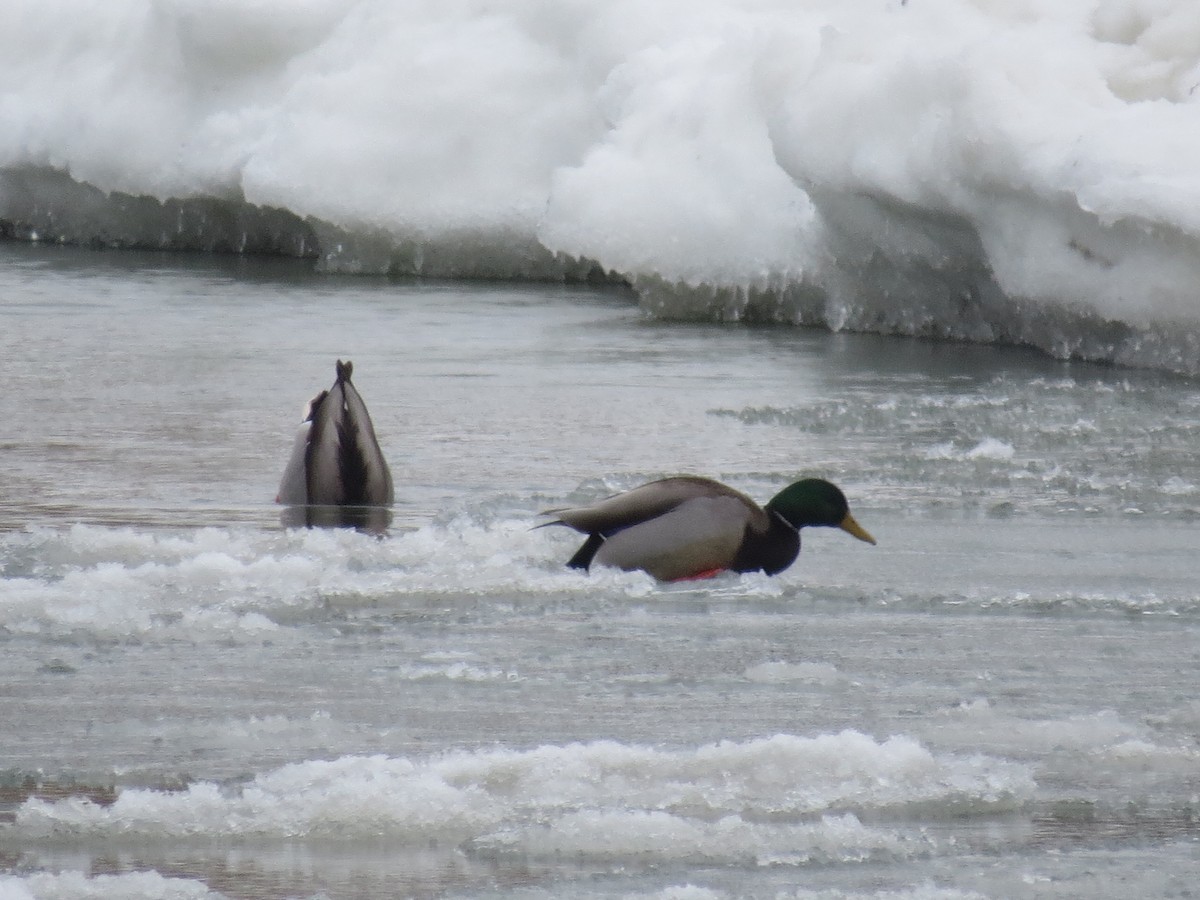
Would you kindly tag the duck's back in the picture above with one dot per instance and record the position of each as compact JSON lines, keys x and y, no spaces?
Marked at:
{"x":652,"y":500}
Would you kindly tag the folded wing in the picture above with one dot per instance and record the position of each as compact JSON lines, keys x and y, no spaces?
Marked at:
{"x":650,"y":501}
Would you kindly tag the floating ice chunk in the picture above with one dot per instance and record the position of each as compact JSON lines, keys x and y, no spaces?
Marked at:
{"x":1179,"y":487}
{"x":779,"y":672}
{"x":991,"y":448}
{"x":988,"y":448}
{"x":127,"y":886}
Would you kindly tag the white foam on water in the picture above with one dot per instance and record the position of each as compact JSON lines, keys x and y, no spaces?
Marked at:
{"x":1006,"y":731}
{"x":991,"y":448}
{"x":780,"y":800}
{"x":781,"y":672}
{"x":1179,"y":487}
{"x":456,"y":671}
{"x":987,"y":448}
{"x":244,"y":585}
{"x":927,"y":891}
{"x":661,"y":836}
{"x":121,"y":583}
{"x":1139,"y":755}
{"x":1097,"y":742}
{"x":152,"y":886}
{"x":77,"y":886}
{"x":679,"y":892}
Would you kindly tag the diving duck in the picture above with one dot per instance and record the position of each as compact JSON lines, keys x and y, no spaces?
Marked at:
{"x":337,"y":475}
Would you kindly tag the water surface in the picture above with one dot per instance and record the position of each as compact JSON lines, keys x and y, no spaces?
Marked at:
{"x":999,"y":700}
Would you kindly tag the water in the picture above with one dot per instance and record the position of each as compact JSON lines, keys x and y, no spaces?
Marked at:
{"x":999,"y":700}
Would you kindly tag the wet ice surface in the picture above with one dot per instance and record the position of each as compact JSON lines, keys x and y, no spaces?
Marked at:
{"x":998,"y":700}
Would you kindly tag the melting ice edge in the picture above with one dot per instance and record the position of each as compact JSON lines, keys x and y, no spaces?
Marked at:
{"x":949,"y":170}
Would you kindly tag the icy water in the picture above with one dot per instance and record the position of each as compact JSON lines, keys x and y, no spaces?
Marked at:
{"x":998,"y":701}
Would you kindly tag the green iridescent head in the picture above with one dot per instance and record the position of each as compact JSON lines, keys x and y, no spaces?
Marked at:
{"x":815,"y":501}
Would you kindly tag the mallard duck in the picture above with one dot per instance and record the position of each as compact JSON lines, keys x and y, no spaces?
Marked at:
{"x":689,"y":527}
{"x":337,"y":475}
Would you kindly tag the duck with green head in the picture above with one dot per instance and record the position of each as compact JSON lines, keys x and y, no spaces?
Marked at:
{"x":689,"y":527}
